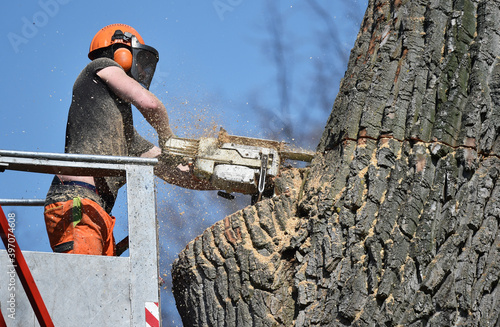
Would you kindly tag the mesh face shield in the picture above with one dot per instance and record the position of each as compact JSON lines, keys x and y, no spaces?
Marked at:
{"x":144,"y":62}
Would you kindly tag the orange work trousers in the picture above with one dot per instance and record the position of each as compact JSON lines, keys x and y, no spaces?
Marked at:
{"x":80,"y":226}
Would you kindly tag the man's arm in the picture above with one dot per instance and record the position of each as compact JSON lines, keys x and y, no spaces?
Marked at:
{"x":129,"y":90}
{"x":147,"y":103}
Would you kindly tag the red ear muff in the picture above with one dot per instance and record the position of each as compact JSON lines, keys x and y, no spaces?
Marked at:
{"x":123,"y":57}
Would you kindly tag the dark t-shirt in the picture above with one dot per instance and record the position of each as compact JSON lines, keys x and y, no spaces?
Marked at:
{"x":101,"y":123}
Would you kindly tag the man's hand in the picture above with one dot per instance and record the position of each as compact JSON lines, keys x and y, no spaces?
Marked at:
{"x":180,"y":174}
{"x":175,"y":172}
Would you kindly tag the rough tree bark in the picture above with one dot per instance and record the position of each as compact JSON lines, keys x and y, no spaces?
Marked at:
{"x":396,"y":222}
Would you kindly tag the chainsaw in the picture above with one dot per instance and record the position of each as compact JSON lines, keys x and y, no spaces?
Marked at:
{"x":234,"y":163}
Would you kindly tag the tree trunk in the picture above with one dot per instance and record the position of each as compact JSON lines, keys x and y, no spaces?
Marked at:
{"x":396,"y":222}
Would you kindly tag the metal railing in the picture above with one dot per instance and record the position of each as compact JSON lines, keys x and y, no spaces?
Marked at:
{"x":83,"y":290}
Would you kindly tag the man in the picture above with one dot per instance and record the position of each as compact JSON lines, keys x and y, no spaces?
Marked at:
{"x":77,"y":208}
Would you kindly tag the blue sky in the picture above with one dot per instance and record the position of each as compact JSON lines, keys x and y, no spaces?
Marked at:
{"x":216,"y":69}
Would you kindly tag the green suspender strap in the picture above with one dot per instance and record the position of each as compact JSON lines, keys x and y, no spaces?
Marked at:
{"x":77,"y":211}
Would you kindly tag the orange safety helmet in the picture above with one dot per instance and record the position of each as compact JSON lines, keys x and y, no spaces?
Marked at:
{"x":123,"y":44}
{"x":107,"y":36}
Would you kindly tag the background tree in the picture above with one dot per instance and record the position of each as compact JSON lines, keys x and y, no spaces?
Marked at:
{"x":307,"y":65}
{"x":396,"y":221}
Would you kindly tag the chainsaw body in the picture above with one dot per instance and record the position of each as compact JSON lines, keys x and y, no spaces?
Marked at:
{"x":233,"y":163}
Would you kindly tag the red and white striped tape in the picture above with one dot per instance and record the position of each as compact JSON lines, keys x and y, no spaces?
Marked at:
{"x":152,"y":314}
